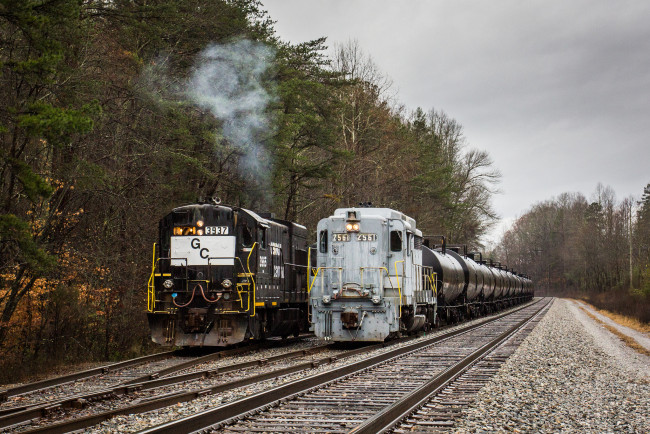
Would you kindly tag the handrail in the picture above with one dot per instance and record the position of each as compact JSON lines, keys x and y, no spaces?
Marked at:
{"x":377,"y":268}
{"x":248,"y":266}
{"x":316,"y":274}
{"x":399,"y":288}
{"x":314,"y":280}
{"x":308,"y":267}
{"x":434,"y":282}
{"x":151,"y":292}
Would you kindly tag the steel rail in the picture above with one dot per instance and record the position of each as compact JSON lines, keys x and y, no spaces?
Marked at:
{"x":180,"y":397}
{"x":404,"y":407}
{"x":262,"y":400}
{"x":15,"y":415}
{"x":69,"y":378}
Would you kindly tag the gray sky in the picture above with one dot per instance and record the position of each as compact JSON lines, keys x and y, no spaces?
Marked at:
{"x":558,"y":92}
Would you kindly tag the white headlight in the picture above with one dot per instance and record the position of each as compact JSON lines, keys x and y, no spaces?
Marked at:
{"x":168,"y":283}
{"x":375,"y":299}
{"x":326,"y":299}
{"x":226,"y":283}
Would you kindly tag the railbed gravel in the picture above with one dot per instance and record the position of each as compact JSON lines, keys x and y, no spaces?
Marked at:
{"x":563,"y":378}
{"x":137,"y":422}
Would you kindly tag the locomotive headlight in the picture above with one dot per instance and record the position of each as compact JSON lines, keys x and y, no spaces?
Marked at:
{"x":226,"y":283}
{"x":199,"y":232}
{"x":200,"y":223}
{"x":178,"y":231}
{"x":326,"y":299}
{"x":375,"y":299}
{"x":168,"y":283}
{"x":348,"y":227}
{"x":355,"y":227}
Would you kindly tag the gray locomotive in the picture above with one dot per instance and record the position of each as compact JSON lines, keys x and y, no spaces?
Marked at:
{"x":222,"y":275}
{"x":376,"y":276}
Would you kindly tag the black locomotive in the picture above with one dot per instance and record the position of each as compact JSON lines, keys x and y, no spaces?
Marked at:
{"x":222,"y":275}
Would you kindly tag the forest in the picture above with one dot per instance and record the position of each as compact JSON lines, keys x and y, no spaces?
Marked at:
{"x":114,"y":112}
{"x":597,"y":249}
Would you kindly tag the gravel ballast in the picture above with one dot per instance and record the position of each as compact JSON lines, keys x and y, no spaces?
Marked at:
{"x":567,"y":376}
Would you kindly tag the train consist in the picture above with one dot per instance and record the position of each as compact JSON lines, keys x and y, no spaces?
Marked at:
{"x":222,"y":275}
{"x":377,"y":276}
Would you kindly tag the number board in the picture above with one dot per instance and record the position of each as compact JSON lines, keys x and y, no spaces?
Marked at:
{"x":341,"y":237}
{"x":358,"y":237}
{"x":216,"y":230}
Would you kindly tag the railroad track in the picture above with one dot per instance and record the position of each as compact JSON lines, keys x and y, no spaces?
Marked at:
{"x":363,"y":396}
{"x":76,"y":376}
{"x":109,"y":382}
{"x":437,"y":405}
{"x":443,"y":407}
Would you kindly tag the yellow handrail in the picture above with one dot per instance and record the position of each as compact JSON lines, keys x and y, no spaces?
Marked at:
{"x":399,"y":288}
{"x":316,"y":274}
{"x":313,"y":281}
{"x":308,"y":268}
{"x":248,"y":266}
{"x":151,"y":293}
{"x":435,"y":285}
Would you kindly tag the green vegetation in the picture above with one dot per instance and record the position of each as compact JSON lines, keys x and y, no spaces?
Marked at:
{"x":100,"y":136}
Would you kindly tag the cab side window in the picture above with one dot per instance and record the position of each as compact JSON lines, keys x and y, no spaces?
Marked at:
{"x":395,"y":241}
{"x":247,"y":236}
{"x":323,"y":241}
{"x":262,"y":236}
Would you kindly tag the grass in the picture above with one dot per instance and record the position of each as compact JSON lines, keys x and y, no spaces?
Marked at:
{"x":623,"y":320}
{"x":621,"y":302}
{"x":629,"y":341}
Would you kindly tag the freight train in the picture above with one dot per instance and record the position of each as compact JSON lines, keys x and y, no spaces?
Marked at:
{"x":377,"y":276}
{"x":221,"y":275}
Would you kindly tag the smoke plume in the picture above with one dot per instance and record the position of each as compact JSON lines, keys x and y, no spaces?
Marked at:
{"x":227,"y":81}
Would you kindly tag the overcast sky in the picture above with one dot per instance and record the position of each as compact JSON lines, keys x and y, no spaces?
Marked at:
{"x":558,"y":92}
